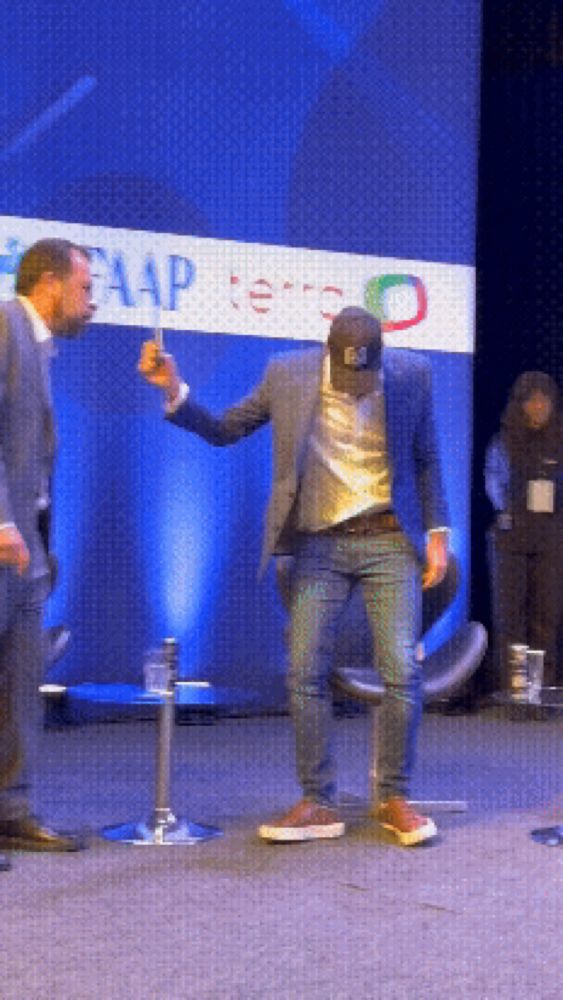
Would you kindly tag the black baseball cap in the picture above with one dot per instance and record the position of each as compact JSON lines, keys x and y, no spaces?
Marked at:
{"x":354,"y":344}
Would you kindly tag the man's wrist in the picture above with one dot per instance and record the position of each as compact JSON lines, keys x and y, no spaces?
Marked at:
{"x":175,"y":396}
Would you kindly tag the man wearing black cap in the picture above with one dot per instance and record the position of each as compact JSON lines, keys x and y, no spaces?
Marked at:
{"x":357,"y":499}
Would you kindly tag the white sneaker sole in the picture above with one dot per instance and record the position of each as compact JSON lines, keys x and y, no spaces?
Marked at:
{"x":298,"y":834}
{"x":418,"y":836}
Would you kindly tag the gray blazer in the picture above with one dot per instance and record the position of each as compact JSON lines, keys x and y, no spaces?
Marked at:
{"x":287,"y":396}
{"x":26,"y":433}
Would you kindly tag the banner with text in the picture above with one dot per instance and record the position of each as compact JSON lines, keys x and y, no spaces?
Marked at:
{"x":221,"y":286}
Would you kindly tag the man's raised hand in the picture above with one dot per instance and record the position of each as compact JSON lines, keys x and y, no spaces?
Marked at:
{"x":159,"y":369}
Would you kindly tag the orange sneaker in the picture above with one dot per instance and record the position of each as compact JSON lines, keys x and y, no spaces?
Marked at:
{"x":398,"y":816}
{"x":305,"y":821}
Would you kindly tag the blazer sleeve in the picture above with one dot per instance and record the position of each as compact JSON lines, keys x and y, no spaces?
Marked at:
{"x":427,"y":461}
{"x":497,"y":474}
{"x":6,"y":514}
{"x":238,"y":421}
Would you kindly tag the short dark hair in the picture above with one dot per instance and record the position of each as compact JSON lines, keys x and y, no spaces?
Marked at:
{"x":46,"y":255}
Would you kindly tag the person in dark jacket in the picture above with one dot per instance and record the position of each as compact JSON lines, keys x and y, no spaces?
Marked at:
{"x":524,"y":482}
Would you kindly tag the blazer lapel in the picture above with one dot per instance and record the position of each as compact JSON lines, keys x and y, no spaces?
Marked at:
{"x":308,"y":386}
{"x":39,"y":357}
{"x":390,"y":395}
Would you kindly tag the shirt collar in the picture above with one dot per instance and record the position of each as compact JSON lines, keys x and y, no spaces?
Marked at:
{"x":41,"y":331}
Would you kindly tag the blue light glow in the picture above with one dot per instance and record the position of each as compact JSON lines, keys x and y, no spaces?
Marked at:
{"x":65,"y":103}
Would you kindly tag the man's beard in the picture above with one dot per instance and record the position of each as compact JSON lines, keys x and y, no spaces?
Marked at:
{"x":68,"y":326}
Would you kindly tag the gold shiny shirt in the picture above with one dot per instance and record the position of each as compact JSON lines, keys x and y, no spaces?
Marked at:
{"x":346,"y":469}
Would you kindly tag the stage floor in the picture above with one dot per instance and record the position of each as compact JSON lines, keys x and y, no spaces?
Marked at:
{"x":478,"y":913}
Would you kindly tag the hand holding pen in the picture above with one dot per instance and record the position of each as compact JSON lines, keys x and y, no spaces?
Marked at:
{"x":157,"y":367}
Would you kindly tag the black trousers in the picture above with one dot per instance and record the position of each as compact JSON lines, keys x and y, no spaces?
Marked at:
{"x":21,"y":711}
{"x":526,"y":595}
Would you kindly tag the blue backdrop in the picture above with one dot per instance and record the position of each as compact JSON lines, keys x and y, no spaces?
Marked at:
{"x":329,"y":124}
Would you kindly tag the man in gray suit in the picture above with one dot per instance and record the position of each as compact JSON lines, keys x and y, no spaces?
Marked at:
{"x":357,"y":500}
{"x":54,"y":296}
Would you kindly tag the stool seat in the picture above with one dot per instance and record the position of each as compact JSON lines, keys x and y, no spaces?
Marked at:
{"x":444,"y":671}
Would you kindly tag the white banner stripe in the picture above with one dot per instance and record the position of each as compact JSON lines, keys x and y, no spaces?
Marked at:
{"x":193,"y":283}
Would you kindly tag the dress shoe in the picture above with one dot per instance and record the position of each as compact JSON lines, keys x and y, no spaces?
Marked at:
{"x":28,"y":835}
{"x":5,"y":863}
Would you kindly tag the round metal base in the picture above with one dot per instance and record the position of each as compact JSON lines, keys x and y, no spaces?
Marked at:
{"x":551,"y":836}
{"x":180,"y":832}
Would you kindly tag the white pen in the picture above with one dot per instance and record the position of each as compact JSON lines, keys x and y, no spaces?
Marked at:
{"x":159,"y":341}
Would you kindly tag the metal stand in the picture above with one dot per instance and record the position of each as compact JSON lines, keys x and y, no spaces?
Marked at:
{"x":427,"y":805}
{"x":163,"y":828}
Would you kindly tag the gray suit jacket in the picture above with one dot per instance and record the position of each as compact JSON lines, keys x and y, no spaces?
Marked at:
{"x":287,"y":396}
{"x":26,"y":434}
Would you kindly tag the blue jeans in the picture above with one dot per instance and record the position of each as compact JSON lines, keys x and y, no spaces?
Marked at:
{"x":327,"y":568}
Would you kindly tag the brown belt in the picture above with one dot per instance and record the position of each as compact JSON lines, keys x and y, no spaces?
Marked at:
{"x":364,"y":524}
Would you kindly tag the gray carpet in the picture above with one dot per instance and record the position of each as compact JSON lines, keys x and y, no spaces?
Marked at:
{"x":477,"y":914}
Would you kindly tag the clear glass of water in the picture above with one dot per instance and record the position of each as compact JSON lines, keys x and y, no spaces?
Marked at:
{"x":534,"y":662}
{"x":518,"y":665}
{"x":155,"y":672}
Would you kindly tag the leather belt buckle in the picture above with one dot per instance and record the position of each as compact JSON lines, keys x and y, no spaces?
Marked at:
{"x":366,"y":523}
